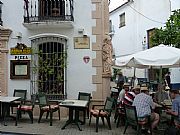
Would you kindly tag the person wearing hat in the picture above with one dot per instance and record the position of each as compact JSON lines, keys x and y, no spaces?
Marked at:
{"x":122,"y":92}
{"x":143,"y":103}
{"x":120,"y":99}
{"x":175,"y":111}
{"x":130,"y":95}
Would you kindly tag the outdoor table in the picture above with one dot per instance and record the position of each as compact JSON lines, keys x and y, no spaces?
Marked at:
{"x":73,"y":105}
{"x":4,"y":106}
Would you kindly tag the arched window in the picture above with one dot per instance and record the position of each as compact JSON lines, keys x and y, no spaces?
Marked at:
{"x":48,"y":65}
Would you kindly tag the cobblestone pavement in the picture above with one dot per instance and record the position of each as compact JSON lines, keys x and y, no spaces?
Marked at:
{"x":43,"y":128}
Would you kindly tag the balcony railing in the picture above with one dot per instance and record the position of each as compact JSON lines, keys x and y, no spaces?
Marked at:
{"x":48,"y":10}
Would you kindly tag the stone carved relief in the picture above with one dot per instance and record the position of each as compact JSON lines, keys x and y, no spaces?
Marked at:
{"x":107,"y":55}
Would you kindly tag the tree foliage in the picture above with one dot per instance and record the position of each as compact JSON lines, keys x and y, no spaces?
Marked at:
{"x":170,"y":34}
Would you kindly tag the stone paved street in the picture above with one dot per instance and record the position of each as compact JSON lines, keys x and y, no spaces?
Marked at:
{"x":43,"y":128}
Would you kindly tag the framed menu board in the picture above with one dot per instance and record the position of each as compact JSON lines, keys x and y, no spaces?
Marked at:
{"x":20,"y":69}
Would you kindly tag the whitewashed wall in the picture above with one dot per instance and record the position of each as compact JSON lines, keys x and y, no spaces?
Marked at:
{"x":141,"y":15}
{"x":79,"y":74}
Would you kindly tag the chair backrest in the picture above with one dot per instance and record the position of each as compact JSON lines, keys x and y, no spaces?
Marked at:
{"x":131,"y":114}
{"x":33,"y":99}
{"x":109,"y":105}
{"x":84,"y":96}
{"x":42,"y":98}
{"x":20,"y":93}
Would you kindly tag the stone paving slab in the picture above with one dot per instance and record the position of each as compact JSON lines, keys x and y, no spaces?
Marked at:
{"x":43,"y":128}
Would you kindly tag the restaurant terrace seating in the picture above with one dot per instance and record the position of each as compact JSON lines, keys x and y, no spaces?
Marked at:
{"x":18,"y":93}
{"x":102,"y":113}
{"x":133,"y":120}
{"x":46,"y":106}
{"x":120,"y":116}
{"x":26,"y":106}
{"x":86,"y":97}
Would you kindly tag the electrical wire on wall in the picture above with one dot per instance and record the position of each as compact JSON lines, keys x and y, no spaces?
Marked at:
{"x":145,"y":16}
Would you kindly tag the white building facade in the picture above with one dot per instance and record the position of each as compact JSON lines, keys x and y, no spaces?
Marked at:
{"x":132,"y":24}
{"x":73,"y":27}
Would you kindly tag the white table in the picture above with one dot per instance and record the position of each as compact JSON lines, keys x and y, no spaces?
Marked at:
{"x":4,"y":106}
{"x":73,"y":105}
{"x":8,"y":99}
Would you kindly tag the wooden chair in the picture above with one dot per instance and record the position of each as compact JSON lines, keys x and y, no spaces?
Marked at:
{"x":86,"y":97}
{"x":26,"y":106}
{"x":46,"y":106}
{"x":18,"y":93}
{"x":133,"y":120}
{"x":103,"y":113}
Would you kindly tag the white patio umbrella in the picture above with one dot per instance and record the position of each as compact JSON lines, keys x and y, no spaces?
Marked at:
{"x":123,"y":60}
{"x":155,"y":57}
{"x":159,"y":56}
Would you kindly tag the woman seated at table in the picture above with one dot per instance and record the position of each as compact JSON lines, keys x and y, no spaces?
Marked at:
{"x":161,"y":94}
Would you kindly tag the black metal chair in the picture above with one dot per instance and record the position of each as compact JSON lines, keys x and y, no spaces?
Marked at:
{"x":132,"y":119}
{"x":120,"y":116}
{"x":103,"y":113}
{"x":46,"y":106}
{"x":86,"y":97}
{"x":26,"y":106}
{"x":18,"y":93}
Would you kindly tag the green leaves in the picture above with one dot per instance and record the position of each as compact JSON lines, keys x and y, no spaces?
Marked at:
{"x":170,"y":34}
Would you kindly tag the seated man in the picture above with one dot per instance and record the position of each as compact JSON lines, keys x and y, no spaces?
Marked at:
{"x":129,"y":96}
{"x":161,"y":94}
{"x":144,"y":103}
{"x":122,"y":93}
{"x":175,"y":111}
{"x":120,"y":99}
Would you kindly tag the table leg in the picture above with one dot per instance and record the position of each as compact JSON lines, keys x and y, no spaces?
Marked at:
{"x":77,"y":118}
{"x":70,"y":120}
{"x":84,"y":116}
{"x":6,"y":113}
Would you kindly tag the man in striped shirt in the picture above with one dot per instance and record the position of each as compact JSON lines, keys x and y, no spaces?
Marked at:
{"x":129,"y":96}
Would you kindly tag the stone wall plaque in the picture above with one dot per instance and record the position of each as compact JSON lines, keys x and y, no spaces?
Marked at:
{"x":81,"y":42}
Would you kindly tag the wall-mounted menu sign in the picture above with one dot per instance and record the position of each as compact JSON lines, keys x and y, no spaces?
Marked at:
{"x":20,"y":49}
{"x":20,"y":69}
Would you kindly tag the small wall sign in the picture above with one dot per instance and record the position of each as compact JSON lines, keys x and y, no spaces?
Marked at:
{"x":20,"y":49}
{"x":86,"y":59}
{"x":81,"y":42}
{"x":21,"y":57}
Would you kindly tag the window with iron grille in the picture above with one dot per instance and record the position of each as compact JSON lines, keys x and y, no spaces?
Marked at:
{"x":48,"y":68}
{"x":122,"y":20}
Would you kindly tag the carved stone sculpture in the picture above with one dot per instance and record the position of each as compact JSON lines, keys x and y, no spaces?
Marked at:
{"x":107,"y":55}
